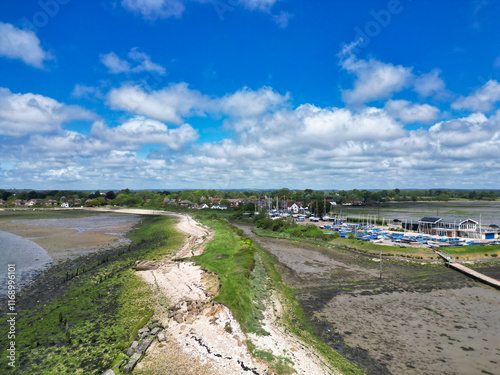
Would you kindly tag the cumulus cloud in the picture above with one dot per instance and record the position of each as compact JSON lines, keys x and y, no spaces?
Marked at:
{"x":409,"y":113}
{"x":282,"y":19}
{"x":88,"y":92}
{"x":21,"y":114}
{"x":262,"y":5}
{"x":483,"y":99}
{"x":143,"y":62}
{"x":154,"y":9}
{"x":271,"y":140}
{"x":375,"y":80}
{"x":158,"y":9}
{"x":429,"y":84}
{"x":142,"y":130}
{"x":22,"y":44}
{"x":249,"y":103}
{"x":177,"y":101}
{"x":169,"y":104}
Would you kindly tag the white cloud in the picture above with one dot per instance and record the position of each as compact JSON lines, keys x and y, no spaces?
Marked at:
{"x":429,"y":84}
{"x":170,"y":104}
{"x":282,"y":19}
{"x":88,"y":92}
{"x":141,"y":130}
{"x":483,"y":99}
{"x":116,"y":65}
{"x":374,"y":80}
{"x":410,"y":113}
{"x":145,"y":63}
{"x":154,"y":9}
{"x":22,"y":44}
{"x":262,"y":5}
{"x":248,"y":103}
{"x":177,"y":101}
{"x":21,"y":114}
{"x":270,"y":142}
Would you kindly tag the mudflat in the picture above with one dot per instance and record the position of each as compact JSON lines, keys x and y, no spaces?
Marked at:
{"x":64,"y":237}
{"x":417,"y":319}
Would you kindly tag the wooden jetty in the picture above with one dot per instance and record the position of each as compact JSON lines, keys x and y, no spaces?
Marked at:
{"x":466,"y":270}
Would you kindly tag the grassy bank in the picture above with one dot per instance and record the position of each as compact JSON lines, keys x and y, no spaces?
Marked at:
{"x":248,"y":273}
{"x":79,"y":315}
{"x":232,"y":258}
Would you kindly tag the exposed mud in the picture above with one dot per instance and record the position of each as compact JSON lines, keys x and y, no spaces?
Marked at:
{"x":416,"y":319}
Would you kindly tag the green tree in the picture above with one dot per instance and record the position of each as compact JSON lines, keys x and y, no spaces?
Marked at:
{"x":111,"y":195}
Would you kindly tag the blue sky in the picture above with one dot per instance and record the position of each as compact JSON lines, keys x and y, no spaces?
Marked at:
{"x":228,"y":94}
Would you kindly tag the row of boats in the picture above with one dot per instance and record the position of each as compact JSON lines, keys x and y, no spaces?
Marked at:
{"x":376,"y":235}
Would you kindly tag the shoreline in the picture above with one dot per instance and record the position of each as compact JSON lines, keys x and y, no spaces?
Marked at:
{"x":224,"y":349}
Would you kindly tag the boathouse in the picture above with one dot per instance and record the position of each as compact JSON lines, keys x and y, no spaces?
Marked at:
{"x":449,"y":228}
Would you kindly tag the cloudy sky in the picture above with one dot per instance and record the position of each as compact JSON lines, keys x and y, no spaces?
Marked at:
{"x":320,"y":94}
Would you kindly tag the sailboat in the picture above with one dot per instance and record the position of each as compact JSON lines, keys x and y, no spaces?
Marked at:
{"x":325,"y":216}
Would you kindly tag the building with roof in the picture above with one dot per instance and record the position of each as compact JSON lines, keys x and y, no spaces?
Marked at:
{"x":448,"y":227}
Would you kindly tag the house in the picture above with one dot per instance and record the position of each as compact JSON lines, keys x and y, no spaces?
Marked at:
{"x":234,"y":202}
{"x":185,"y":203}
{"x":202,"y":206}
{"x":32,"y":202}
{"x":194,"y":206}
{"x":17,"y":202}
{"x":51,"y":202}
{"x":2,"y":202}
{"x":218,"y":207}
{"x":65,"y":205}
{"x":293,"y":207}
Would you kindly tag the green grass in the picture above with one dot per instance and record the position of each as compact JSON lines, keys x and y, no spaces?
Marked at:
{"x":248,"y":274}
{"x":103,"y":308}
{"x":472,"y":250}
{"x":367,"y":246}
{"x":234,"y":263}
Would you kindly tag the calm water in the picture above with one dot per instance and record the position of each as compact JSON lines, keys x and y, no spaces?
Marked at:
{"x":486,"y":212}
{"x":28,"y":257}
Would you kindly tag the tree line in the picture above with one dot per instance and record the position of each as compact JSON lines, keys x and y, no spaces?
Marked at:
{"x":127,"y":197}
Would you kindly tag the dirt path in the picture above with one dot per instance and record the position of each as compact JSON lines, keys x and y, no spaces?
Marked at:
{"x":204,"y":333}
